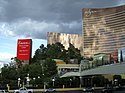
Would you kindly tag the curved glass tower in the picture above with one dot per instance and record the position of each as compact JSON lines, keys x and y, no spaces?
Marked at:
{"x":103,"y":30}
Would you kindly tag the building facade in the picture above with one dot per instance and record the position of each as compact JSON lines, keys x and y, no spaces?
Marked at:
{"x":103,"y":30}
{"x":121,"y":54}
{"x":66,"y":39}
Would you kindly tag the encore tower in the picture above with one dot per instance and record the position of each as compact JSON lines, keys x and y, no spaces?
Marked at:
{"x":103,"y":29}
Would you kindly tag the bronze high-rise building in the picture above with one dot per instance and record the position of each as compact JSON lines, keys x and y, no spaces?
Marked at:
{"x":103,"y":29}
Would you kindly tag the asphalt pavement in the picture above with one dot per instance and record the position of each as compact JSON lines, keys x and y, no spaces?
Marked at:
{"x":80,"y":91}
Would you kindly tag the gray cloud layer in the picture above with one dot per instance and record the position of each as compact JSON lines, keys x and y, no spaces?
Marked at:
{"x":34,"y":18}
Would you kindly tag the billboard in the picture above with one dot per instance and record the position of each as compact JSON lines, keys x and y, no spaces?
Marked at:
{"x":24,"y":49}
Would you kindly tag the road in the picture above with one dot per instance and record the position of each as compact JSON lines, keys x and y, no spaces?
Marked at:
{"x":79,"y":91}
{"x":87,"y":92}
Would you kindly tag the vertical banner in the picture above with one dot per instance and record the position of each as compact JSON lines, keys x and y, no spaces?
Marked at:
{"x":24,"y":49}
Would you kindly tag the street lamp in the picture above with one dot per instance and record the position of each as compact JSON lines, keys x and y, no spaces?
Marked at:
{"x":27,"y":80}
{"x":19,"y":82}
{"x":81,"y":81}
{"x":116,"y":81}
{"x":38,"y":77}
{"x":70,"y":81}
{"x":34,"y":81}
{"x":34,"y":78}
{"x":88,"y":82}
{"x":53,"y":81}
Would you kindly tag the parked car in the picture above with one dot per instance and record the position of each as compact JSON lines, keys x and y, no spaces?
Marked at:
{"x":107,"y":90}
{"x":4,"y":91}
{"x":88,"y":89}
{"x":23,"y":90}
{"x":50,"y":90}
{"x":118,"y":88}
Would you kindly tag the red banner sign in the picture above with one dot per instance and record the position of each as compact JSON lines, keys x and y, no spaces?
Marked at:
{"x":24,"y":47}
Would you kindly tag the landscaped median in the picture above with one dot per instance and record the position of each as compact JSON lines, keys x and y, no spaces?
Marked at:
{"x":64,"y":89}
{"x":60,"y":89}
{"x":57,"y":89}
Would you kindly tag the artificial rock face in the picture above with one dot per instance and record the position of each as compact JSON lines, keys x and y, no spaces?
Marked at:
{"x":66,"y":39}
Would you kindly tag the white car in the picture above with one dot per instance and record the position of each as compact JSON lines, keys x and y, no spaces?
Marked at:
{"x":4,"y":91}
{"x":23,"y":90}
{"x":88,"y":89}
{"x":50,"y":90}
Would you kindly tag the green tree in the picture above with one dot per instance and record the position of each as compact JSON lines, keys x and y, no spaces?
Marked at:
{"x":53,"y":51}
{"x":57,"y":51}
{"x":23,"y":71}
{"x":35,"y":70}
{"x":40,"y":54}
{"x":49,"y":67}
{"x":8,"y":74}
{"x":18,"y":62}
{"x":73,"y":53}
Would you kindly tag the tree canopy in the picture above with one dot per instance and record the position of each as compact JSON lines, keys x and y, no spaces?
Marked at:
{"x":56,"y":51}
{"x":42,"y":64}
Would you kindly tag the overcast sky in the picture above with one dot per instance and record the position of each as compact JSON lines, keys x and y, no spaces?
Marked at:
{"x":34,"y":18}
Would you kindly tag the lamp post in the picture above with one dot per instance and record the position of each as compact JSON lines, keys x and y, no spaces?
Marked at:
{"x":34,"y":78}
{"x":81,"y":81}
{"x":34,"y":81}
{"x":27,"y":80}
{"x":38,"y":77}
{"x":70,"y":81}
{"x":88,"y":82}
{"x":38,"y":81}
{"x":53,"y":81}
{"x":19,"y":82}
{"x":116,"y":82}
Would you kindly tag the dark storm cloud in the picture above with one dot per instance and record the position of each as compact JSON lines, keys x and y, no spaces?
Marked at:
{"x":51,"y":10}
{"x":46,"y":15}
